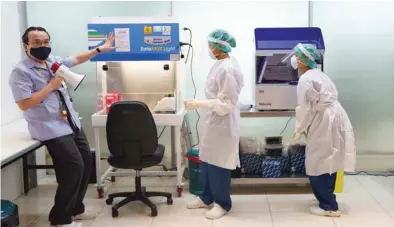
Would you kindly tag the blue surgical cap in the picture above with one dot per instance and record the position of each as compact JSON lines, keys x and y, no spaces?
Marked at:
{"x":222,"y":40}
{"x":314,"y":53}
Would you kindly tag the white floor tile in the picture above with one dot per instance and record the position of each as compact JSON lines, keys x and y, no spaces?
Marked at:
{"x":304,"y":219}
{"x":124,"y":221}
{"x":250,"y":204}
{"x":43,"y":222}
{"x":32,"y":208}
{"x":178,"y":209}
{"x":289,"y":203}
{"x":381,"y":191}
{"x":167,"y":221}
{"x":365,"y":220}
{"x":366,"y":201}
{"x":238,"y":219}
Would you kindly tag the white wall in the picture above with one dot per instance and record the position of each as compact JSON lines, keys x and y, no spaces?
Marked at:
{"x":12,"y":25}
{"x":13,"y":19}
{"x":360,"y":60}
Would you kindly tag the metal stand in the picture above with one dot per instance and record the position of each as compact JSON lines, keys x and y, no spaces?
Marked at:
{"x":298,"y":180}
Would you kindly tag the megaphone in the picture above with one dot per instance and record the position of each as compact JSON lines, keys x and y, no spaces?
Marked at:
{"x":71,"y":78}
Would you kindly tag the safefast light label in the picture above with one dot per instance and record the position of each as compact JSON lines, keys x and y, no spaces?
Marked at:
{"x":136,"y":42}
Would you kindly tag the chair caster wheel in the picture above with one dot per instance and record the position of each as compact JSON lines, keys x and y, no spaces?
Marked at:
{"x":109,"y":201}
{"x":169,"y":201}
{"x":179,"y":191}
{"x":154,"y":212}
{"x":115,"y":213}
{"x":113,"y":179}
{"x":100,"y":192}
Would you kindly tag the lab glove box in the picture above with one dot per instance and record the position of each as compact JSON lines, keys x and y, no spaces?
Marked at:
{"x":251,"y":164}
{"x":286,"y":165}
{"x":297,"y":158}
{"x":274,"y":167}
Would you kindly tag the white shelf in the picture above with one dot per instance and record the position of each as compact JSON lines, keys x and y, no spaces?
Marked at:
{"x":100,"y":119}
{"x":284,"y":180}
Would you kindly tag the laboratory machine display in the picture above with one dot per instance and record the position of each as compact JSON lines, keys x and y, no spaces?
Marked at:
{"x":276,"y":81}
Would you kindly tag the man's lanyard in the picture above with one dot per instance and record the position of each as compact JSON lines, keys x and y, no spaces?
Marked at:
{"x":64,"y":111}
{"x":70,"y":120}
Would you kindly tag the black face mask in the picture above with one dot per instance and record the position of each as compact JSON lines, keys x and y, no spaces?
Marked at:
{"x":41,"y":53}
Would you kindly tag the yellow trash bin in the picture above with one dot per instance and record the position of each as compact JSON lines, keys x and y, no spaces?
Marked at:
{"x":339,"y":182}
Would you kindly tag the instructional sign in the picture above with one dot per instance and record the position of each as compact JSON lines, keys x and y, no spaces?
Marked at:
{"x":137,"y":42}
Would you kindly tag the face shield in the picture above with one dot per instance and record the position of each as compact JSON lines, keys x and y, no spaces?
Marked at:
{"x":300,"y":50}
{"x":220,"y":45}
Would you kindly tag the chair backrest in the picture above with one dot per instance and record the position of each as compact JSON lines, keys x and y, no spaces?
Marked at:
{"x":131,"y":131}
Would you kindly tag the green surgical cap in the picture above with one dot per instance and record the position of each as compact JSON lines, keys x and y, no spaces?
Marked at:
{"x":311,"y":49}
{"x":222,"y":40}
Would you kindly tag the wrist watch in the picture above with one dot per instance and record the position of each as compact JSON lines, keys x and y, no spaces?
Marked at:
{"x":98,"y":50}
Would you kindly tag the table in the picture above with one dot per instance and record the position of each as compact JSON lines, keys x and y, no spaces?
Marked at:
{"x":175,"y":121}
{"x":290,"y":179}
{"x":16,"y":143}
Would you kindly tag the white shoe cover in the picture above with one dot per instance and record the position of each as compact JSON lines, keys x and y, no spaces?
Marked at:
{"x":320,"y":212}
{"x":216,"y":212}
{"x":196,"y":204}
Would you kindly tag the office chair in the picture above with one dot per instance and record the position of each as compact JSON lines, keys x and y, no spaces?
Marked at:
{"x":133,"y":144}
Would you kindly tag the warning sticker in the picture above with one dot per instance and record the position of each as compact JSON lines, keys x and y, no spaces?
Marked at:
{"x":147,"y":30}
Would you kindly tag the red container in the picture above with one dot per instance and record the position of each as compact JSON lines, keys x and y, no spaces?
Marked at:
{"x":111,"y":98}
{"x":117,"y":96}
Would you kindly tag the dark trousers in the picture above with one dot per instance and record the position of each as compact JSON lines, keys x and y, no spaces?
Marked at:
{"x":216,"y":183}
{"x":72,"y":160}
{"x":323,"y":187}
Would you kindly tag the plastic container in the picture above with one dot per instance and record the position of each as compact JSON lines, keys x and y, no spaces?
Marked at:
{"x":195,"y":181}
{"x":273,"y":150}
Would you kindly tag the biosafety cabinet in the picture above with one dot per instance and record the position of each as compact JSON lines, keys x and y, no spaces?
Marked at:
{"x":276,"y":82}
{"x":145,"y":65}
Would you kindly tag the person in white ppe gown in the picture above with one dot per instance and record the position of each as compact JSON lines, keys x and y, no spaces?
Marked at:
{"x":329,"y":133}
{"x":219,"y":148}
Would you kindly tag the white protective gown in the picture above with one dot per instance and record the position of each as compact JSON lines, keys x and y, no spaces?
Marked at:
{"x":330,"y":138}
{"x":220,"y":128}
